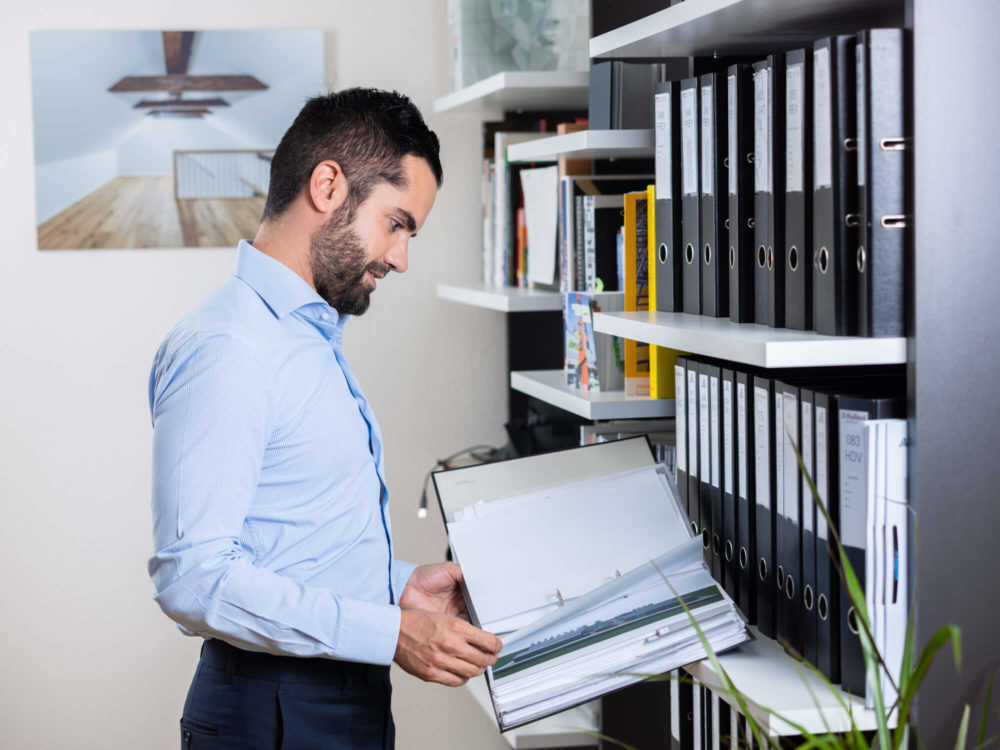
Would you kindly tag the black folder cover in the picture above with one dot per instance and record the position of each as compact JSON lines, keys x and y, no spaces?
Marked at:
{"x":690,"y":198}
{"x":852,"y":412}
{"x":769,"y":178}
{"x":685,"y":707}
{"x":668,"y":197}
{"x":798,"y":251}
{"x":764,"y":501}
{"x":705,"y":493}
{"x":714,"y":204}
{"x":681,"y":426}
{"x":787,"y":524}
{"x":881,"y":182}
{"x":827,"y":576}
{"x":693,"y":452}
{"x":716,"y":522}
{"x":740,"y":221}
{"x":729,"y":478}
{"x":807,"y":448}
{"x":835,"y":211}
{"x":746,"y":512}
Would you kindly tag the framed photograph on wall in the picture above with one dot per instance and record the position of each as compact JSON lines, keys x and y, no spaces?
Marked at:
{"x":162,"y":139}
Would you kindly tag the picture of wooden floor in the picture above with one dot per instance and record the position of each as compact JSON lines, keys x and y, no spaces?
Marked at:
{"x":141,"y":212}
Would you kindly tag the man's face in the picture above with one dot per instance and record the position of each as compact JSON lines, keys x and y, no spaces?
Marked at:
{"x":349,"y":257}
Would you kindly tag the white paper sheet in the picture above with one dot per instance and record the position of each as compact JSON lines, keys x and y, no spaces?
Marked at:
{"x":516,"y":560}
{"x":541,"y":199}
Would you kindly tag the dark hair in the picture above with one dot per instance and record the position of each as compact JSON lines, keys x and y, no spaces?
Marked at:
{"x":366,"y":131}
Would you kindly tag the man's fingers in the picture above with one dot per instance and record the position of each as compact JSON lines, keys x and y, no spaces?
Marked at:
{"x":480,"y":638}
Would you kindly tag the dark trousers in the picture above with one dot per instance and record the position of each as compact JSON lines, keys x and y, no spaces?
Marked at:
{"x":240,"y":700}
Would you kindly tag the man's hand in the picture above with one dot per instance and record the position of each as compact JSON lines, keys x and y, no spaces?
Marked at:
{"x":440,"y":648}
{"x":434,"y":588}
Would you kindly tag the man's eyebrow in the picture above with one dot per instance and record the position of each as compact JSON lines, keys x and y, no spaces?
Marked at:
{"x":408,"y":220}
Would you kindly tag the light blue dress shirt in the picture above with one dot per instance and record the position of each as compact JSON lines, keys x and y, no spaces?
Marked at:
{"x":270,"y":518}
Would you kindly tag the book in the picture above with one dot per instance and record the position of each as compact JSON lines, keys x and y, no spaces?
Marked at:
{"x":636,"y":290}
{"x":587,"y":594}
{"x":580,"y":354}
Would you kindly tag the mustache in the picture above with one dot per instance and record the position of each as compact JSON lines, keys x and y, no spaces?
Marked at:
{"x":379,"y":269}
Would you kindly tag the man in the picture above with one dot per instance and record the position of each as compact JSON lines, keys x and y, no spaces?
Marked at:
{"x":271,"y":526}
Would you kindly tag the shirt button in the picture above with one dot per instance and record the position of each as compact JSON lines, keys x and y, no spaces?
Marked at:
{"x":325,"y":316}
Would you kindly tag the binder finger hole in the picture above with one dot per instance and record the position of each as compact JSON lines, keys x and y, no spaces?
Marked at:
{"x":729,"y":551}
{"x":852,"y":621}
{"x":716,"y":544}
{"x":706,"y":540}
{"x":725,"y":162}
{"x":823,"y":260}
{"x":726,"y":223}
{"x":761,"y":256}
{"x":694,"y":528}
{"x":744,"y":558}
{"x":751,"y":223}
{"x":807,"y":598}
{"x":780,"y":577}
{"x":662,"y":253}
{"x":862,"y":257}
{"x":793,"y":257}
{"x":708,"y":255}
{"x":732,"y":257}
{"x":762,"y":569}
{"x":822,"y":607}
{"x":790,"y":587}
{"x":770,"y":258}
{"x":689,"y":253}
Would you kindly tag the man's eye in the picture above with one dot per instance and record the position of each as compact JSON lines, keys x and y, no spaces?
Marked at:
{"x":394,"y":225}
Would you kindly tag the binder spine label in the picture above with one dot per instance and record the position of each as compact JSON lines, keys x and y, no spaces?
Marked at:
{"x":661,"y":107}
{"x":704,"y":429}
{"x":692,"y":423}
{"x":714,"y":416}
{"x":761,"y":132}
{"x":707,"y":142}
{"x":762,"y":447}
{"x":689,"y":142}
{"x":861,"y":73}
{"x":822,"y":472}
{"x":853,"y":478}
{"x":790,"y":412}
{"x":793,"y":128}
{"x":681,"y":418}
{"x":741,"y":433}
{"x":779,"y":455}
{"x":727,"y":434}
{"x":806,"y":448}
{"x":731,"y":141}
{"x":822,"y":120}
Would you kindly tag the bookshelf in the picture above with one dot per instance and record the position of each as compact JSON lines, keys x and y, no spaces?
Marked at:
{"x":550,"y":386}
{"x":748,"y":343}
{"x":520,"y":90}
{"x":950,"y":365}
{"x":773,"y":683}
{"x":585,"y":144}
{"x":503,"y":299}
{"x":737,"y":27}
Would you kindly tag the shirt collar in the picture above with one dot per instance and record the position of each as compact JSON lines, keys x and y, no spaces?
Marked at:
{"x":279,"y":286}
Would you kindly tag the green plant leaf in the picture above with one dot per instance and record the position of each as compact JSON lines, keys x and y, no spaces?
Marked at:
{"x":986,"y":708}
{"x":963,"y":729}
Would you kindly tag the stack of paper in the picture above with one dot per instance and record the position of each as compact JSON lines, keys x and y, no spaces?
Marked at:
{"x":583,"y":580}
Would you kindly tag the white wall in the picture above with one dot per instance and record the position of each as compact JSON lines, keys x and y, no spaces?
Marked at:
{"x":89,"y":660}
{"x":60,"y":184}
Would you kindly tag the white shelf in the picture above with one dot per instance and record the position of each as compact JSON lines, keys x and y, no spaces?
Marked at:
{"x":522,"y":90}
{"x":772,"y":681}
{"x":567,"y":729}
{"x":704,"y":27}
{"x":749,"y":343}
{"x":550,"y":386}
{"x":504,"y":299}
{"x":585,"y":144}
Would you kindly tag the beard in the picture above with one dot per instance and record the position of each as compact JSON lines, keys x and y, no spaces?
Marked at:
{"x":339,"y":266}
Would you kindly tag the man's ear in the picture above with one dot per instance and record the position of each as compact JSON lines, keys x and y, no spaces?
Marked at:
{"x":328,"y":188}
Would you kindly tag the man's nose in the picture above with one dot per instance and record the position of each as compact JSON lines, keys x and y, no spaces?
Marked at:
{"x":397,"y":257}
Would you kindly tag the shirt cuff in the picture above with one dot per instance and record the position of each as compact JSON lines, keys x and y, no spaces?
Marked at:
{"x":401,"y":572}
{"x":369,"y":632}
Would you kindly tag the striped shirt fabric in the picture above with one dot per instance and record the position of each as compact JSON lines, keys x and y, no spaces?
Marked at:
{"x":270,"y":510}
